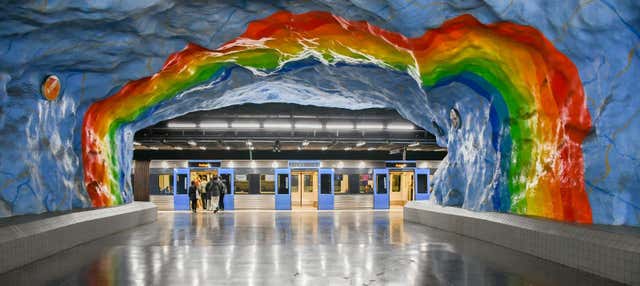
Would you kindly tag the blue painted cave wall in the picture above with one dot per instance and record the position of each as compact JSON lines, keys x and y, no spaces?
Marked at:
{"x":95,"y":47}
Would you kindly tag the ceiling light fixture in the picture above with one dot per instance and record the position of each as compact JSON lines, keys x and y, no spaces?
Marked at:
{"x":276,"y":125}
{"x":305,"y":143}
{"x":324,"y":148}
{"x":192,"y":143}
{"x":245,"y":125}
{"x":371,"y":148}
{"x":227,"y":147}
{"x":361,"y":165}
{"x":253,"y":164}
{"x":348,"y":148}
{"x":339,"y":126}
{"x":340,"y":165}
{"x":274,"y":165}
{"x":202,"y":148}
{"x":181,"y":125}
{"x":400,"y":127}
{"x":177,"y":148}
{"x":136,"y":143}
{"x":370,"y":126}
{"x":249,"y":143}
{"x":308,"y":125}
{"x":214,"y":124}
{"x":360,"y":143}
{"x":299,"y":148}
{"x":154,"y":148}
{"x":414,"y":144}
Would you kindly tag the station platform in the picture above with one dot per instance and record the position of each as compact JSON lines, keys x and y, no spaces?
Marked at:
{"x":605,"y":250}
{"x":267,"y":247}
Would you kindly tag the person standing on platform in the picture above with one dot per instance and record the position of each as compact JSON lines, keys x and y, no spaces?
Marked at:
{"x":215,"y":192}
{"x":193,"y":196}
{"x":209,"y":189}
{"x":223,"y":191}
{"x":206,"y":198}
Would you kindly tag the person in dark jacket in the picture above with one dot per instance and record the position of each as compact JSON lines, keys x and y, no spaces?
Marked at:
{"x":223,"y":191}
{"x":193,"y":196}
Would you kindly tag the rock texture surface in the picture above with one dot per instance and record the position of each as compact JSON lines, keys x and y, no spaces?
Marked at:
{"x":96,"y":48}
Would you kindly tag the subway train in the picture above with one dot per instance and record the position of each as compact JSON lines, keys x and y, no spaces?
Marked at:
{"x":295,"y":184}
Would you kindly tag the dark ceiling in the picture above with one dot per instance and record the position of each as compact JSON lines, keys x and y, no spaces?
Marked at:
{"x":286,"y":128}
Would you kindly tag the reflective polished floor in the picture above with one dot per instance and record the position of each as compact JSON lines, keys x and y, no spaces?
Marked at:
{"x":291,"y":248}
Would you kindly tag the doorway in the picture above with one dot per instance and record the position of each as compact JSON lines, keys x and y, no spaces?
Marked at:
{"x":201,"y":177}
{"x":401,"y":187}
{"x":304,"y":189}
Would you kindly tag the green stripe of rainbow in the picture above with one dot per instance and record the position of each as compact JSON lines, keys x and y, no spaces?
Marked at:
{"x":539,"y":88}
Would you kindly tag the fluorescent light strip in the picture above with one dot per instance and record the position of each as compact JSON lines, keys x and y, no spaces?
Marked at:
{"x":308,"y":125}
{"x":400,"y":127}
{"x":214,"y":124}
{"x":340,"y":126}
{"x":254,"y":125}
{"x":181,"y":125}
{"x":277,"y":125}
{"x":370,"y":126}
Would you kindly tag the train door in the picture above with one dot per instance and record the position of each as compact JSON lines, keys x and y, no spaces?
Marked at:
{"x":282,"y":194}
{"x":181,"y":183}
{"x":325,"y":195}
{"x":227,"y":176}
{"x":381,"y":189}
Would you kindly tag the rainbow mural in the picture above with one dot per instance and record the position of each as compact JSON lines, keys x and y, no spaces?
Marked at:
{"x":538,"y":117}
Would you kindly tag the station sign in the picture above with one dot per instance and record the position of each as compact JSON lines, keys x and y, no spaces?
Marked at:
{"x":304,"y":164}
{"x":204,"y":164}
{"x":400,"y":164}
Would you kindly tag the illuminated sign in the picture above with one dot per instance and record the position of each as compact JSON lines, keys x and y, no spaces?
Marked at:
{"x":204,"y":164}
{"x":304,"y":164}
{"x":400,"y":164}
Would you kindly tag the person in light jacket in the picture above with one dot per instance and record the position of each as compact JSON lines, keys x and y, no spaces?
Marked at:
{"x":214,"y":189}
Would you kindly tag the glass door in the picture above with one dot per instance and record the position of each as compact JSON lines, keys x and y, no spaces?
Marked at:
{"x":282,"y":194}
{"x":309,"y":191}
{"x":181,"y":184}
{"x":296,"y":194}
{"x":421,"y":184}
{"x":380,"y":188}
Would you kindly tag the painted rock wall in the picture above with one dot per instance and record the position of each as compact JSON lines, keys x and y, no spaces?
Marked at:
{"x":96,"y":49}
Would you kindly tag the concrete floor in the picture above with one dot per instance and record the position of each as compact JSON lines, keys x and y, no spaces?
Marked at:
{"x":292,"y":248}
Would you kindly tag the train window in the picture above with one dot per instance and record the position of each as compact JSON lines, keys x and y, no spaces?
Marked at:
{"x":283,"y":182}
{"x":165,"y":185}
{"x":366,"y":184}
{"x":241,"y":184}
{"x":325,"y":184}
{"x":381,"y":184}
{"x":422,"y":183}
{"x":267,"y":184}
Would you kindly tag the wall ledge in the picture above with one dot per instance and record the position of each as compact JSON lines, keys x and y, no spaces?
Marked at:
{"x":26,"y":242}
{"x":612,"y":252}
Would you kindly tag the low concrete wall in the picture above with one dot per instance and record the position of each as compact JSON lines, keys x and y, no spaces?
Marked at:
{"x":608,"y":251}
{"x":23,"y":243}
